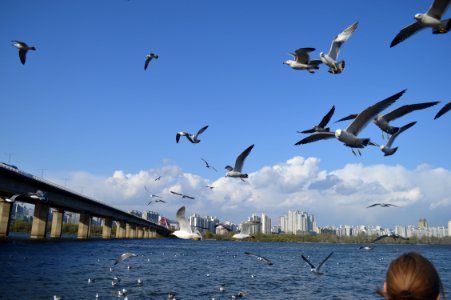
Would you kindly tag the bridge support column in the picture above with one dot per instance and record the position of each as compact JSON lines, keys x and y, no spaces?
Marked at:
{"x":140,"y":232}
{"x":146,"y":233}
{"x":121,"y":230}
{"x":57,"y":223}
{"x":153,"y":233}
{"x":83,"y":226}
{"x":5,"y":215}
{"x":40,"y":218}
{"x":133,"y":231}
{"x":106,"y":228}
{"x":127,"y":231}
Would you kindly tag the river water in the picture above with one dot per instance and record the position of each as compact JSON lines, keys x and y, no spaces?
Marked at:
{"x":196,"y":269}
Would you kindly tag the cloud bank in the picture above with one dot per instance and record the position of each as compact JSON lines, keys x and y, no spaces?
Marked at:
{"x":336,"y":197}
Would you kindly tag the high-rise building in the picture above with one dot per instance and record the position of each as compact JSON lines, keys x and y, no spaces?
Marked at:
{"x":423,"y":224}
{"x":266,"y":224}
{"x":449,"y":228}
{"x":151,"y":216}
{"x":283,"y":224}
{"x":300,"y":222}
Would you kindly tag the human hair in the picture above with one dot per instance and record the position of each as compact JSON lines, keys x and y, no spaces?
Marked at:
{"x":412,"y":277}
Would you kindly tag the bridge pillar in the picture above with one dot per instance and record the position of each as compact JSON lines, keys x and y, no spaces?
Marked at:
{"x":153,"y":233}
{"x":83,"y":226}
{"x":146,"y":233}
{"x":57,"y":223}
{"x":106,"y":228}
{"x":140,"y":232}
{"x":133,"y":231}
{"x":5,"y":215}
{"x":40,"y":218}
{"x":121,"y":230}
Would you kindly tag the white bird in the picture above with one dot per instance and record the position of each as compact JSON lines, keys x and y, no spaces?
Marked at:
{"x":124,"y":256}
{"x":245,"y":230}
{"x":315,"y":270}
{"x":443,"y":110}
{"x":191,"y":137}
{"x":38,"y":195}
{"x":381,"y":205}
{"x":208,"y":165}
{"x":321,"y":127}
{"x":23,"y":49}
{"x":259,"y":258}
{"x":236,"y":171}
{"x":432,"y":18}
{"x":349,"y":136}
{"x":13,"y":198}
{"x":185,"y":232}
{"x":387,"y":149}
{"x":149,"y":57}
{"x":330,"y":59}
{"x":181,"y":195}
{"x":302,"y":60}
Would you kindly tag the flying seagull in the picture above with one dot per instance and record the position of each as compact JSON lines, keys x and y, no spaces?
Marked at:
{"x":330,"y":59}
{"x":191,"y":137}
{"x":38,"y":195}
{"x":245,"y":230}
{"x":349,"y":135}
{"x":443,"y":110}
{"x":182,"y":195}
{"x":124,"y":256}
{"x":432,"y":18}
{"x":321,"y":127}
{"x":185,"y":232}
{"x":391,"y":235}
{"x":150,"y":194}
{"x":260,"y":258}
{"x":236,"y":171}
{"x":387,"y":149}
{"x":13,"y":198}
{"x":314,"y":269}
{"x":158,"y":178}
{"x":149,"y":57}
{"x":302,"y":60}
{"x":383,"y":121}
{"x":208,"y":165}
{"x":23,"y":49}
{"x":382,"y":205}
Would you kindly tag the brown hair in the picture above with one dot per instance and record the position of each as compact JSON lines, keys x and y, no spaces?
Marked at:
{"x":411,"y":276}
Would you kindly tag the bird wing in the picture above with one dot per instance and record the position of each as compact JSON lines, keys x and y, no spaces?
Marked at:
{"x":379,"y":238}
{"x":405,"y":109}
{"x":350,"y":117}
{"x":405,"y":33}
{"x":327,"y":117}
{"x":324,"y":260}
{"x":189,"y":197}
{"x":316,"y":137}
{"x":183,"y":223}
{"x":145,"y":187}
{"x":369,"y":113}
{"x":340,"y":39}
{"x":123,"y":256}
{"x":302,"y":55}
{"x":438,"y":8}
{"x":23,"y":55}
{"x":240,"y":159}
{"x":147,"y":62}
{"x":201,"y":130}
{"x":373,"y":205}
{"x":175,"y":193}
{"x":307,"y":261}
{"x":395,"y":135}
{"x":177,"y":137}
{"x":443,"y":110}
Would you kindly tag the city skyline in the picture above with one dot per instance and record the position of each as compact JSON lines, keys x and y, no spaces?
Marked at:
{"x":84,"y":113}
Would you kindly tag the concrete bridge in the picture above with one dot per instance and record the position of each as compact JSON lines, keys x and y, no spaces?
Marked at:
{"x":14,"y":181}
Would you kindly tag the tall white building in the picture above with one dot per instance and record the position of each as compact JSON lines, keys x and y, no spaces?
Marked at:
{"x":449,"y":228}
{"x":300,"y":222}
{"x":283,"y":224}
{"x":266,"y":224}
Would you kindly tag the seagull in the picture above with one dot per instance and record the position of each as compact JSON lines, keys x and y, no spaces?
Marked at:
{"x":391,"y":235}
{"x":432,"y":18}
{"x":349,"y":135}
{"x":383,"y":121}
{"x":382,"y":205}
{"x":158,"y":178}
{"x":321,"y":127}
{"x":191,"y":137}
{"x":314,"y":269}
{"x":330,"y":59}
{"x":150,"y":194}
{"x":149,"y":57}
{"x":38,"y":195}
{"x":208,"y":165}
{"x":124,"y":256}
{"x":387,"y":149}
{"x":443,"y":110}
{"x":182,"y":195}
{"x":13,"y":198}
{"x":210,"y":187}
{"x":245,"y":230}
{"x":236,"y":171}
{"x":23,"y":49}
{"x":260,"y":258}
{"x":367,"y":247}
{"x":185,"y":232}
{"x":302,"y":60}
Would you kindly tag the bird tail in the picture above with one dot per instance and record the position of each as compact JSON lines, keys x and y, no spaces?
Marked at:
{"x":444,"y":28}
{"x":391,"y":153}
{"x":393,"y":130}
{"x":365,"y":142}
{"x":32,"y":48}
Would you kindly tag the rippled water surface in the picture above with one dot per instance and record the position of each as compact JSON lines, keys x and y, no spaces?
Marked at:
{"x":196,"y":269}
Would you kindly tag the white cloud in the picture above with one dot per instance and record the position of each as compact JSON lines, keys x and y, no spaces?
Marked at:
{"x":334,"y":197}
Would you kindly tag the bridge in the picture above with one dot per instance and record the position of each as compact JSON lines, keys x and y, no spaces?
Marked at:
{"x":24,"y":185}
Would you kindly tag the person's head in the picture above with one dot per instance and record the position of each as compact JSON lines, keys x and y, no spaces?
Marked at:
{"x":411,"y":276}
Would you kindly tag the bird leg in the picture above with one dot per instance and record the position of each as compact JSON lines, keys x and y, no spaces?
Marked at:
{"x":352,"y":149}
{"x":359,"y":152}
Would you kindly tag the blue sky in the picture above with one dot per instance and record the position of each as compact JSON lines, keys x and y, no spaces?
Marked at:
{"x":83,"y":109}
